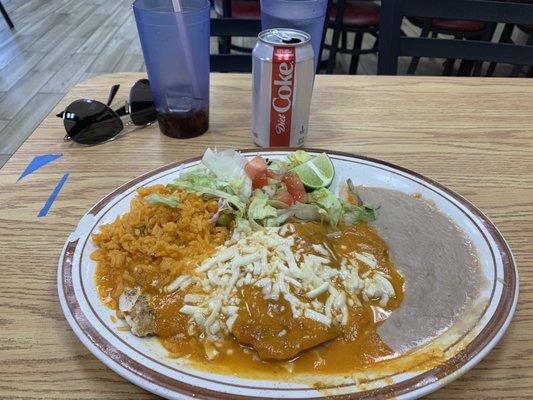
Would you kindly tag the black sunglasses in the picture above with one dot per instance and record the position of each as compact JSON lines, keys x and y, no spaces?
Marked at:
{"x":92,"y":122}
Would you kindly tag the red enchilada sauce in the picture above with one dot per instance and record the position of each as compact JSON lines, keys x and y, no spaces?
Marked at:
{"x":345,"y":349}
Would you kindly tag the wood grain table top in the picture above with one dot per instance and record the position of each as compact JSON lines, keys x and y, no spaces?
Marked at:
{"x":474,"y":135}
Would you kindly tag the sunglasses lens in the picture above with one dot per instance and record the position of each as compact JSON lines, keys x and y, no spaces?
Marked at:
{"x":141,"y":103}
{"x":91,"y":122}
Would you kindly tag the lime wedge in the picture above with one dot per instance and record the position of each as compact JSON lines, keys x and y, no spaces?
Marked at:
{"x":317,"y":172}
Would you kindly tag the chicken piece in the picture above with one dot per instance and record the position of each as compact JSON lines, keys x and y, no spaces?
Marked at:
{"x":269,"y":327}
{"x":137,"y":311}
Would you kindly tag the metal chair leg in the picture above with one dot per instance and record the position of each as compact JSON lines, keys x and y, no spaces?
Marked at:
{"x":224,"y":45}
{"x":449,"y":64}
{"x":333,"y":51}
{"x":518,"y":68}
{"x":337,"y":28}
{"x":491,"y":68}
{"x":376,"y":44}
{"x":413,"y":65}
{"x":6,"y":16}
{"x":487,"y":36}
{"x":344,"y":40}
{"x":466,"y":66}
{"x":354,"y":62}
{"x":478,"y":66}
{"x":448,"y":67}
{"x":506,"y":37}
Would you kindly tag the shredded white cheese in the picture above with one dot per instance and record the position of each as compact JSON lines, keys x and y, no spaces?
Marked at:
{"x":190,"y":310}
{"x":368,"y":259}
{"x":193,"y":298}
{"x":177,"y":283}
{"x":318,"y":317}
{"x":275,"y":260}
{"x":318,"y":290}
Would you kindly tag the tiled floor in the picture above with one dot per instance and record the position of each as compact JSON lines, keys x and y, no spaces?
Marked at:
{"x":57,"y":43}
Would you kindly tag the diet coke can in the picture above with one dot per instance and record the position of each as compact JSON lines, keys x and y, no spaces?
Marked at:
{"x":283,"y":75}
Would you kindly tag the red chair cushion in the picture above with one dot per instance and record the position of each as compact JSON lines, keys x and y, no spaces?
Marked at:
{"x":241,"y":9}
{"x":459,"y":25}
{"x":452,"y":25}
{"x":357,"y":14}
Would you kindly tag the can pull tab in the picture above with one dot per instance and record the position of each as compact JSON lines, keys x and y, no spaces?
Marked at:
{"x":291,"y":41}
{"x":285,"y":38}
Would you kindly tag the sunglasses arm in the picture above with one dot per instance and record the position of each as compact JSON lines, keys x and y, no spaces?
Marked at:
{"x":112,"y":94}
{"x":124,"y":110}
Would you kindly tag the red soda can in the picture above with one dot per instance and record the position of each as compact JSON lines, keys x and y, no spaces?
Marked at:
{"x":283,"y":75}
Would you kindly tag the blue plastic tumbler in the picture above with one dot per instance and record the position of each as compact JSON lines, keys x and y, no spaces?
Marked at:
{"x":306,"y":15}
{"x":175,"y":46}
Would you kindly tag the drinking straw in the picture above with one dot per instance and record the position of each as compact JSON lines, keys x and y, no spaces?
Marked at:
{"x":178,"y":10}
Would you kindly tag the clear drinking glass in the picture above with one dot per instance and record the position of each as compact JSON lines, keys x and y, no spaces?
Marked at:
{"x":305,"y":15}
{"x":175,"y":46}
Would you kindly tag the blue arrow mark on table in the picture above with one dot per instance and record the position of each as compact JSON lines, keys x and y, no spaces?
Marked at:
{"x":37,"y":163}
{"x":52,"y":197}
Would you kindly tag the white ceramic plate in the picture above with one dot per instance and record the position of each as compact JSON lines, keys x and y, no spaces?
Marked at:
{"x":145,"y":363}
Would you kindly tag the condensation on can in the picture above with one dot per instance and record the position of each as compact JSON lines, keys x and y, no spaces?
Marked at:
{"x":282,"y":84}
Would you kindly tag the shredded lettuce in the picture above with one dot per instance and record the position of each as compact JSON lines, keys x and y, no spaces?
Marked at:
{"x":259,"y":209}
{"x":228,"y":166}
{"x":157,"y":199}
{"x":308,"y":212}
{"x":352,"y":214}
{"x":222,"y":175}
{"x":270,"y":190}
{"x":206,"y":181}
{"x":231,"y":198}
{"x":199,"y":169}
{"x":219,"y":175}
{"x":279,"y":166}
{"x":242,"y":187}
{"x":328,"y":202}
{"x":243,"y":226}
{"x":298,"y":157}
{"x":281,"y":217}
{"x":277,"y":204}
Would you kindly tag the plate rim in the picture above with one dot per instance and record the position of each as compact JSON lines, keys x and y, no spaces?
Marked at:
{"x":410,"y":388}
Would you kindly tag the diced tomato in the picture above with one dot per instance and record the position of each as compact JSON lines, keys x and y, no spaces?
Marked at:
{"x":260,"y":180}
{"x":255,"y":166}
{"x":284,"y":196}
{"x":295,"y":187}
{"x":274,"y":175}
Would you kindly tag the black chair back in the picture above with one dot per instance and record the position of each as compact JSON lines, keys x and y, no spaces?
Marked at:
{"x":393,"y":45}
{"x":228,"y":27}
